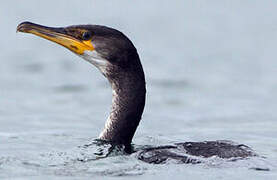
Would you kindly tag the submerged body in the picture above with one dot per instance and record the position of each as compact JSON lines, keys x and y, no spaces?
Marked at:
{"x":189,"y":151}
{"x":117,"y":59}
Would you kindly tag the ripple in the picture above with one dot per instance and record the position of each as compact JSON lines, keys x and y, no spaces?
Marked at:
{"x":170,"y":83}
{"x":31,"y":67}
{"x":68,"y":88}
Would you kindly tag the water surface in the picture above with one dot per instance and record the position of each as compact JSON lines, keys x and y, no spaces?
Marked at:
{"x":211,"y":74}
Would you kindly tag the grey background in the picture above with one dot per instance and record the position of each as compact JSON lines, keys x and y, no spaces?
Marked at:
{"x":211,"y":74}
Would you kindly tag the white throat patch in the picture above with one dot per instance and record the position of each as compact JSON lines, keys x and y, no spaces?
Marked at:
{"x":94,"y":58}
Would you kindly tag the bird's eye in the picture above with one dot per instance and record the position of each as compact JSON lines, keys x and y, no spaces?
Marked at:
{"x":86,"y":35}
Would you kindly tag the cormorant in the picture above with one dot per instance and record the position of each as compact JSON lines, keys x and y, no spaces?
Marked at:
{"x":117,"y":59}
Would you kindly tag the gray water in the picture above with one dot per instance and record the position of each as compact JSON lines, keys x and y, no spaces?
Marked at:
{"x":211,"y":73}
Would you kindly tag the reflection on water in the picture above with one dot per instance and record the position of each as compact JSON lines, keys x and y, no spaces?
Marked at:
{"x":210,"y":70}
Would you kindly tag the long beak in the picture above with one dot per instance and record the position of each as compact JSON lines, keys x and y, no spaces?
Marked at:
{"x":57,"y":35}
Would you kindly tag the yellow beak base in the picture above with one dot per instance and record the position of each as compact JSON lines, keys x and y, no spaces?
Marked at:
{"x":57,"y":35}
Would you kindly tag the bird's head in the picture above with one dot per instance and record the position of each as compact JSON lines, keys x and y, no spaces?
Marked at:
{"x":117,"y":58}
{"x":102,"y":46}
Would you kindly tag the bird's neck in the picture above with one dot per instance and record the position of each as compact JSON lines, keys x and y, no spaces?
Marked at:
{"x":128,"y":102}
